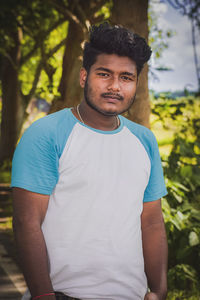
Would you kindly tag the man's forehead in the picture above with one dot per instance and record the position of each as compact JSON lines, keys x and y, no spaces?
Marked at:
{"x":115,"y":62}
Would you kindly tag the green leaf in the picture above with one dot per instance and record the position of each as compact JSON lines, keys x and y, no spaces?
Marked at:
{"x":193,"y":239}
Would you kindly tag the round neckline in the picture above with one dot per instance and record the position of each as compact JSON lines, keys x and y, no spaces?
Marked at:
{"x":99,"y":130}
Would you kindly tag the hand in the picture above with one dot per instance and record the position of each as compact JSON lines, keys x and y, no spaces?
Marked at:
{"x":151,"y":296}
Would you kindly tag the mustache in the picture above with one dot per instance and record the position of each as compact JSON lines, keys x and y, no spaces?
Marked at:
{"x":112,"y":95}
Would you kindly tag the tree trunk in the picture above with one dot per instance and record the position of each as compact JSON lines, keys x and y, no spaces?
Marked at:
{"x":69,"y":88}
{"x":133,"y":14}
{"x":12,"y":107}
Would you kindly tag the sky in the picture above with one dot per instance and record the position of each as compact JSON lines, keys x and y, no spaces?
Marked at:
{"x":179,"y":55}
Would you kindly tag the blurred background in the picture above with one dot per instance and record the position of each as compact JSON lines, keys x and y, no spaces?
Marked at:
{"x":40,"y":57}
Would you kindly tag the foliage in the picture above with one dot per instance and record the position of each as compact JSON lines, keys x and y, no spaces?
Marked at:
{"x":39,"y":33}
{"x":32,"y":18}
{"x":43,"y":28}
{"x":47,"y":86}
{"x":105,"y":10}
{"x":183,"y":295}
{"x":181,"y":206}
{"x":5,"y":172}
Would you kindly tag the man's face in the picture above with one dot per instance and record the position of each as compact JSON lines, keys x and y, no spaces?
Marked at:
{"x":110,"y":86}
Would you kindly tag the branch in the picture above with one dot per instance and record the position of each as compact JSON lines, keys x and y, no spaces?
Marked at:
{"x":38,"y":44}
{"x":8,"y":56}
{"x":97,"y":6}
{"x":30,"y":53}
{"x":93,"y":17}
{"x":39,"y":69}
{"x":56,"y":48}
{"x":87,"y":13}
{"x":97,"y":19}
{"x":173,"y":4}
{"x":35,"y":82}
{"x":83,"y":16}
{"x":181,"y":6}
{"x":72,"y":4}
{"x":65,"y":12}
{"x":177,"y":5}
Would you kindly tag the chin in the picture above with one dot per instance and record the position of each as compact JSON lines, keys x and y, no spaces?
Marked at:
{"x":109,"y":112}
{"x":106,"y":110}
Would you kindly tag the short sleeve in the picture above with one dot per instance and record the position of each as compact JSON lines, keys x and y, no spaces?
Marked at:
{"x":35,"y":161}
{"x":156,"y":185}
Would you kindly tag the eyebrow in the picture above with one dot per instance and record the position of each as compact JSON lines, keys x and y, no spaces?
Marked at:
{"x":129,"y":74}
{"x":109,"y":71}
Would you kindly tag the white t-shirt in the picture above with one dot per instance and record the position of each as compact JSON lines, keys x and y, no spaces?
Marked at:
{"x":97,"y":182}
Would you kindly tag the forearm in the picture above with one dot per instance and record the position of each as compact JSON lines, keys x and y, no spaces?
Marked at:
{"x":155,"y":252}
{"x":33,"y":258}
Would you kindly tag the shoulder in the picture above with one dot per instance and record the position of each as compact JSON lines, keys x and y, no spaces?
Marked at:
{"x":36,"y":158}
{"x":144,"y":134}
{"x":50,"y":123}
{"x":52,"y":130}
{"x":156,"y":186}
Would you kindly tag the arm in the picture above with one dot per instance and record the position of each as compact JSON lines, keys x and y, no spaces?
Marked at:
{"x":155,"y":250}
{"x":28,"y":215}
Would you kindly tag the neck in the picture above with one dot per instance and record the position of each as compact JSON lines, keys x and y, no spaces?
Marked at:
{"x":95,"y":119}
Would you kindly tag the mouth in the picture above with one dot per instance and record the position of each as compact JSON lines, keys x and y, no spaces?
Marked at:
{"x":112,"y":97}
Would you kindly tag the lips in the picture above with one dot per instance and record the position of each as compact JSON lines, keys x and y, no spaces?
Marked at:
{"x":113,"y":96}
{"x":109,"y":97}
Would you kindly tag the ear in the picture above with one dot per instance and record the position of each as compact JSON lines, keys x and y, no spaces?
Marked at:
{"x":83,"y":77}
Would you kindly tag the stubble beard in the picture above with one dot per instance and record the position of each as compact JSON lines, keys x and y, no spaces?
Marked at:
{"x":96,"y":108}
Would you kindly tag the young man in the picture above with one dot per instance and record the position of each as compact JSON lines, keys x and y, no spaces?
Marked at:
{"x":87,"y":187}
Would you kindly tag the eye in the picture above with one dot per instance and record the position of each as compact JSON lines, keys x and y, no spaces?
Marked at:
{"x":126,"y":78}
{"x":102,"y":74}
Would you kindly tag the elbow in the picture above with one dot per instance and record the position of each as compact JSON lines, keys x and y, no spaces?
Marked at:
{"x":25,"y":224}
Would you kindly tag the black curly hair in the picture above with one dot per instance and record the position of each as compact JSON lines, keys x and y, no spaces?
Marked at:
{"x":115,"y":40}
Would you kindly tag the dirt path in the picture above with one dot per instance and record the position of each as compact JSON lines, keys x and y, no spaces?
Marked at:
{"x":12,"y":285}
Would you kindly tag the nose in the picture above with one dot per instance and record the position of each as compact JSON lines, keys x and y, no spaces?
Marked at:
{"x":114,"y":85}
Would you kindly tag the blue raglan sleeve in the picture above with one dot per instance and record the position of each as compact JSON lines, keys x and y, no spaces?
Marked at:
{"x":35,"y":161}
{"x":156,"y":185}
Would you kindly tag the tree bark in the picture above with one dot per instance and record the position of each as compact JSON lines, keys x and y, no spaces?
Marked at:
{"x":69,"y":87}
{"x":12,"y":104}
{"x":133,"y":14}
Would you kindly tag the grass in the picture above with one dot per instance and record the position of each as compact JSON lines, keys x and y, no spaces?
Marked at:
{"x":165,"y":137}
{"x":165,"y":140}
